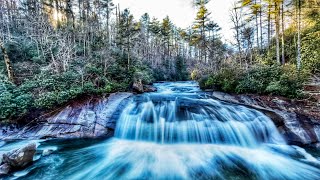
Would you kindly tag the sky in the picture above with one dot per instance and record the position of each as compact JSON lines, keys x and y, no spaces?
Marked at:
{"x":181,"y":12}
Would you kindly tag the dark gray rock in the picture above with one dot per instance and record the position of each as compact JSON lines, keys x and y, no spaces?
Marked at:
{"x":149,"y":88}
{"x":5,"y":169}
{"x":138,"y":87}
{"x":91,"y":119}
{"x":20,"y":158}
{"x":298,"y":122}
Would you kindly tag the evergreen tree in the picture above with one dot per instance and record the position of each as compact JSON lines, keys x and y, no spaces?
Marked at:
{"x":166,"y":29}
{"x":126,"y":32}
{"x":199,"y":27}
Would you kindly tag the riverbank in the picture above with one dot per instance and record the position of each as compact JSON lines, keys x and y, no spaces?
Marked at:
{"x":88,"y":118}
{"x":297,"y":120}
{"x":93,"y":138}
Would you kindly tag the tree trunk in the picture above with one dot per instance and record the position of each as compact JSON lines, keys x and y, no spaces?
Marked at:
{"x":128,"y":43}
{"x":277,"y":19}
{"x":257,"y":28}
{"x":57,"y":11}
{"x":7,"y":62}
{"x":269,"y":26}
{"x":108,"y":32}
{"x":261,"y":33}
{"x":282,"y":35}
{"x":299,"y":37}
{"x":70,"y":14}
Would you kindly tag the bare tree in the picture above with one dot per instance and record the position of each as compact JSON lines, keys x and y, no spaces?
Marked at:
{"x":282,"y":34}
{"x":277,"y":24}
{"x":298,"y":6}
{"x":7,"y":62}
{"x":235,"y":16}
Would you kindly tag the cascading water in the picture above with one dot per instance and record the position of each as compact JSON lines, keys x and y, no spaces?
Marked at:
{"x":179,"y":133}
{"x":190,"y":120}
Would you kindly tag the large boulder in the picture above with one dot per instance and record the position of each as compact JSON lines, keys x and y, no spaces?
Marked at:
{"x":137,"y":86}
{"x":20,"y":158}
{"x":17,"y":159}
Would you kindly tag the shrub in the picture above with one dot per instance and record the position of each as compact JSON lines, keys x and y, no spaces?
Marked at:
{"x":195,"y":75}
{"x":225,"y":80}
{"x":13,"y":102}
{"x":46,"y":100}
{"x":311,"y":51}
{"x":144,"y":75}
{"x":203,"y":83}
{"x":257,"y":79}
{"x":277,"y":80}
{"x":289,"y":83}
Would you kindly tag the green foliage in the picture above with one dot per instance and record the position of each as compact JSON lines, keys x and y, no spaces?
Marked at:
{"x":311,"y":51}
{"x":46,"y":90}
{"x":289,"y":83}
{"x":204,"y":82}
{"x":226,"y":80}
{"x":13,"y":102}
{"x":172,"y":72}
{"x":257,"y":79}
{"x":143,"y":75}
{"x":181,"y":69}
{"x":277,"y":80}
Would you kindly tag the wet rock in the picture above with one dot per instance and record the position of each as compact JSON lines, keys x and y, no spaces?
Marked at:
{"x":5,"y":169}
{"x":149,"y":88}
{"x":138,"y":87}
{"x":17,"y":159}
{"x":91,"y":119}
{"x":20,"y":158}
{"x":298,"y":122}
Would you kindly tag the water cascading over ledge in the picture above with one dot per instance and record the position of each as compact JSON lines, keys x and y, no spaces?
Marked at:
{"x":188,"y":120}
{"x":179,"y":133}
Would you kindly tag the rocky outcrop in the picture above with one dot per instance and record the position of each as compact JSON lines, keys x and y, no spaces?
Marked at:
{"x":137,"y":87}
{"x":90,"y":119}
{"x":297,"y":121}
{"x":17,"y":159}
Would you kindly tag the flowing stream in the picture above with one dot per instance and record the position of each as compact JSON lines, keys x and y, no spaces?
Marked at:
{"x":178,"y":133}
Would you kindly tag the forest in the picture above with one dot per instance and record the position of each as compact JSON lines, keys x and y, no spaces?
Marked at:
{"x":54,"y":51}
{"x":160,"y":89}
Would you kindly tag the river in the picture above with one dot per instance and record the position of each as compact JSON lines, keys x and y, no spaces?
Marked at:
{"x":177,"y":132}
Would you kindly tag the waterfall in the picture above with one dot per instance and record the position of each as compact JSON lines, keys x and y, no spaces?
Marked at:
{"x":186,"y":120}
{"x":178,"y":133}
